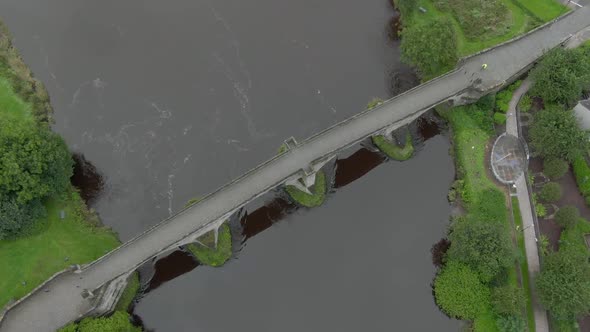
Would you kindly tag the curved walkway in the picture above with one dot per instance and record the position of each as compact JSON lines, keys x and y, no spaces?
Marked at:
{"x":60,"y":301}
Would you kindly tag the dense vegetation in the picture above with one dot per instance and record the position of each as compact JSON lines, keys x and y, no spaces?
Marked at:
{"x":481,"y":253}
{"x":393,"y":150}
{"x":208,"y":252}
{"x":118,"y":322}
{"x":318,"y":192}
{"x":476,"y":25}
{"x":555,"y":168}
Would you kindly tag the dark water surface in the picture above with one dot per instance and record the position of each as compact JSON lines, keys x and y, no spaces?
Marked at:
{"x":171,"y":99}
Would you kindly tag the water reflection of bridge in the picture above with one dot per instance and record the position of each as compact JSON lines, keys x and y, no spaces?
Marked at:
{"x":95,"y":288}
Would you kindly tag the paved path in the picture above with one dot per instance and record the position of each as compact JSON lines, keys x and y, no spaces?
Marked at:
{"x":59,"y":301}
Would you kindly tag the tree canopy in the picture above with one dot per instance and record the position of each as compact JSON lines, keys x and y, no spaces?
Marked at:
{"x":563,"y":285}
{"x":431,"y":47}
{"x":556,"y":134}
{"x":459,"y":292}
{"x":117,"y":322}
{"x":561,"y":76}
{"x":34,"y":162}
{"x":483,"y":246}
{"x":567,"y":216}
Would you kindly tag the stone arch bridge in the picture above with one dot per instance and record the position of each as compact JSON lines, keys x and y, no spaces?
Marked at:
{"x":94,"y":289}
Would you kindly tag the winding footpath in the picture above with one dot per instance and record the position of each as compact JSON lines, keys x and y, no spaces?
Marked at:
{"x":59,"y":301}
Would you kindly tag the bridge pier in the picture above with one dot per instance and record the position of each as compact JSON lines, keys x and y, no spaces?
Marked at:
{"x":305,"y":179}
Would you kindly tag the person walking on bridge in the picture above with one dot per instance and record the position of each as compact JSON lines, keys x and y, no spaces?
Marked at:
{"x":484,"y":66}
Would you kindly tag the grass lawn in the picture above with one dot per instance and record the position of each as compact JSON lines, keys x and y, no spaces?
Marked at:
{"x":392,"y":150}
{"x":318,"y":192}
{"x":207,"y":253}
{"x":35,"y":258}
{"x":524,"y":266}
{"x":11,"y":105}
{"x":545,"y":10}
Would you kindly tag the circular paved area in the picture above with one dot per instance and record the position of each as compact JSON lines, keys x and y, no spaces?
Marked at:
{"x":509,"y":158}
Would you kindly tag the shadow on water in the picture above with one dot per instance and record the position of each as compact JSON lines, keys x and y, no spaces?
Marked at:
{"x":347,"y":170}
{"x":86,"y":178}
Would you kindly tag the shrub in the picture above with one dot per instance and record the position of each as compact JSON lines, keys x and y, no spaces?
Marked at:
{"x":459,"y":292}
{"x":540,"y":210}
{"x":374,"y":103}
{"x":563,"y":285}
{"x":512,"y":323}
{"x":525,"y":103}
{"x":499,"y":118}
{"x":118,"y":322}
{"x":19,"y":219}
{"x":508,"y":300}
{"x":551,"y":192}
{"x":582,"y":173}
{"x":555,"y":168}
{"x":557,"y":134}
{"x":567,"y":216}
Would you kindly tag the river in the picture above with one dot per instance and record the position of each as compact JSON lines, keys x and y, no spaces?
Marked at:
{"x":171,"y":99}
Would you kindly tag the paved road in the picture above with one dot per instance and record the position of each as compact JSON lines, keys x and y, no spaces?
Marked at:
{"x":59,"y":301}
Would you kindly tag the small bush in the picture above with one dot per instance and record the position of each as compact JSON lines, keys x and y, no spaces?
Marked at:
{"x":540,"y":210}
{"x":582,"y":173}
{"x":499,"y":118}
{"x":508,"y":300}
{"x":567,"y":216}
{"x":374,"y":103}
{"x":510,"y":324}
{"x":555,"y":168}
{"x":525,"y":103}
{"x":551,"y":192}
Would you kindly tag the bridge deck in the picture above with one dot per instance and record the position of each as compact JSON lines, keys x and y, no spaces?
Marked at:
{"x":59,"y":301}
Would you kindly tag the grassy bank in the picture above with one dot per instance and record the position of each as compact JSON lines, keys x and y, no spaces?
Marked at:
{"x":208,"y":253}
{"x":129,"y":293}
{"x":483,"y":202}
{"x":318,"y":192}
{"x":393,"y":150}
{"x":56,"y":243}
{"x":27,"y":262}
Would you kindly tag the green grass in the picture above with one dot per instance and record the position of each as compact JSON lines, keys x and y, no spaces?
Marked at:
{"x":545,"y":10}
{"x":129,"y":293}
{"x":11,"y":105}
{"x":524,"y":266}
{"x":392,"y":150}
{"x":318,"y":192}
{"x":207,"y":253}
{"x":33,"y":259}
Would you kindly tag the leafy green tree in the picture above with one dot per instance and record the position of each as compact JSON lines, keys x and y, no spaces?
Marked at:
{"x":34,"y":162}
{"x":431,"y":47}
{"x":551,"y":192}
{"x":483,"y":246}
{"x":567,"y":216}
{"x":561,"y":76}
{"x":555,"y":168}
{"x":556,"y":134}
{"x":118,"y":322}
{"x":459,"y":292}
{"x":508,"y":300}
{"x":563,"y":285}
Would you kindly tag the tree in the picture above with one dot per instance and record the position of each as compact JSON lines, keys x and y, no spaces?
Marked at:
{"x":513,"y":323}
{"x":459,"y":292}
{"x":34,"y":162}
{"x":563,"y":285}
{"x":483,"y":246}
{"x":561,"y":76}
{"x":567,"y":216}
{"x":508,"y":300}
{"x":431,"y":47}
{"x":551,"y":192}
{"x":556,"y":134}
{"x":16,"y":219}
{"x":555,"y":168}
